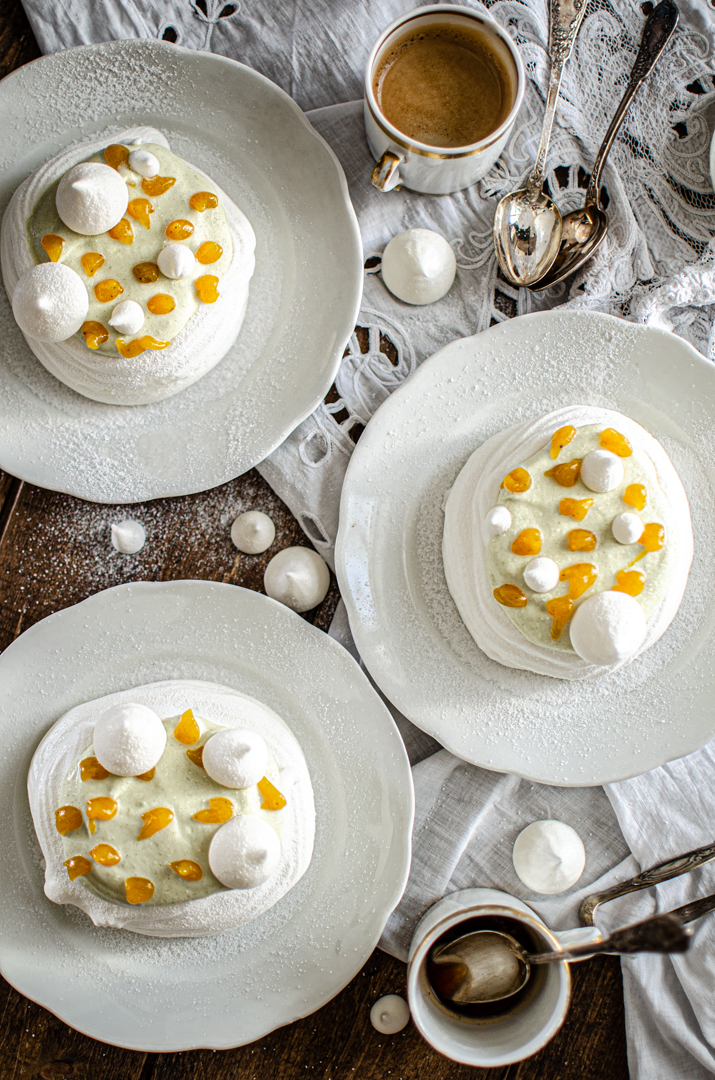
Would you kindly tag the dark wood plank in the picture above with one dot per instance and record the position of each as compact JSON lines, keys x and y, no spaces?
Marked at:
{"x":56,"y":551}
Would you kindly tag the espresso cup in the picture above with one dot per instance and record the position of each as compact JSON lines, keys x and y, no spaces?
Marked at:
{"x":510,"y":1030}
{"x":433,"y":170}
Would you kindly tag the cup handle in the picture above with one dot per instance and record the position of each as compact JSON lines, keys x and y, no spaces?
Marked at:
{"x":580,"y":935}
{"x":386,"y":174}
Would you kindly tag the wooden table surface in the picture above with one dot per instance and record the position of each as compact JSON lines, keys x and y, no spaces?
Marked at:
{"x":55,"y":551}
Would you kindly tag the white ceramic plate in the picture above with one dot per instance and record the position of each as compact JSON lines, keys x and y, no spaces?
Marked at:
{"x":389,"y":557}
{"x":255,"y":142}
{"x":162,"y":994}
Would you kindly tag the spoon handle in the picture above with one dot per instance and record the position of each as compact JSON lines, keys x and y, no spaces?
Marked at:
{"x":657,"y":32}
{"x":566,"y":17}
{"x":663,"y":872}
{"x":660,"y":933}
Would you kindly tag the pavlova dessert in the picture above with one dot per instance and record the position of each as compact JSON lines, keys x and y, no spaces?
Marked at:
{"x":127,"y":268}
{"x":567,"y":543}
{"x":178,"y":809}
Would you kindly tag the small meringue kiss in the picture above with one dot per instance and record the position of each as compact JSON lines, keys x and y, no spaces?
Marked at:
{"x":176,"y":261}
{"x":50,"y":302}
{"x":144,"y":162}
{"x":498,"y":520}
{"x":627,"y":528}
{"x":127,"y":317}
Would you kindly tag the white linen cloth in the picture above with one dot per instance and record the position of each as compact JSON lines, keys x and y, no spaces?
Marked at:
{"x":657,"y":265}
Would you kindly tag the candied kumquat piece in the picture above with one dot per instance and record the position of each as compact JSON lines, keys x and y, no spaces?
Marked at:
{"x":575,"y":508}
{"x":95,"y":334}
{"x":567,"y":474}
{"x":52,"y":244}
{"x":77,"y":866}
{"x":67,"y":819}
{"x":187,"y":731}
{"x":615,"y":442}
{"x":187,"y":869}
{"x":581,"y":540}
{"x":630,"y":581}
{"x":636,"y":496}
{"x":108,"y":290}
{"x":653,"y":539}
{"x":561,"y":438}
{"x":181,"y":229}
{"x":203,"y":200}
{"x":560,"y":609}
{"x":207,"y":288}
{"x":157,"y":185}
{"x":146,"y":776}
{"x":510,"y":596}
{"x":105,"y":855}
{"x":580,"y":576}
{"x":209,"y":252}
{"x":92,"y":261}
{"x":100,"y":809}
{"x":122,"y":231}
{"x":138,"y":890}
{"x":528,"y":542}
{"x":116,"y":155}
{"x":196,"y":756}
{"x":221,"y":810}
{"x":139,"y":209}
{"x":516,"y":481}
{"x":146,"y":272}
{"x":154,"y":821}
{"x":90,"y":769}
{"x":272,"y":798}
{"x":161,"y":304}
{"x":130,"y":349}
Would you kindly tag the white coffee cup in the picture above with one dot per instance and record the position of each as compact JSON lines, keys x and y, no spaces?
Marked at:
{"x":505,"y":1037}
{"x":435,"y":170}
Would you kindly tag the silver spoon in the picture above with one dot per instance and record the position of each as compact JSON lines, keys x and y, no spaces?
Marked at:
{"x":488,"y":965}
{"x":527,"y":223}
{"x":585,"y":229}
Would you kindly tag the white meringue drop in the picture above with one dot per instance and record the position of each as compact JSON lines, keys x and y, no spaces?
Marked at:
{"x":602,"y":471}
{"x":549,"y":856}
{"x":129,"y":739}
{"x":541,"y":574}
{"x":244,"y":852}
{"x":236,"y":758}
{"x":91,"y":198}
{"x":608,"y":627}
{"x":253,"y":532}
{"x":50,"y":302}
{"x":390,"y":1014}
{"x":144,"y":162}
{"x":627,"y":528}
{"x":127,"y":317}
{"x":498,"y":520}
{"x":128,"y":536}
{"x":176,"y":261}
{"x":298,"y":577}
{"x":418,"y":266}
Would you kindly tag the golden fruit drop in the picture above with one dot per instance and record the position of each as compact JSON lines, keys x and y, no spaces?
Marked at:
{"x":517,"y":481}
{"x":90,"y":769}
{"x":53,"y":244}
{"x":146,"y":272}
{"x":161,"y":304}
{"x":67,"y":819}
{"x":92,"y":261}
{"x":122,"y":231}
{"x":581,"y":540}
{"x":615,"y":442}
{"x":561,"y":438}
{"x":209,"y":252}
{"x":77,"y":866}
{"x":154,"y":821}
{"x":157,"y":185}
{"x":561,"y":608}
{"x":528,"y":542}
{"x":108,"y":290}
{"x":140,"y":209}
{"x":187,"y":730}
{"x":510,"y":596}
{"x":130,"y":349}
{"x":567,"y":474}
{"x":272,"y":798}
{"x":203,"y":200}
{"x":575,"y":508}
{"x":187,"y":869}
{"x":138,"y":890}
{"x":221,"y":810}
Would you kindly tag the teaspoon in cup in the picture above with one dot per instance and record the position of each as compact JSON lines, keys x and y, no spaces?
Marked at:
{"x":527,"y":223}
{"x":584,"y":230}
{"x":488,"y":965}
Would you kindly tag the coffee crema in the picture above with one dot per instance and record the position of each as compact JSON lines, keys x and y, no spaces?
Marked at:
{"x":444,"y":85}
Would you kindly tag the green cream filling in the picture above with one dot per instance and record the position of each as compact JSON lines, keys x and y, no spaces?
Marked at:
{"x":119,"y":258}
{"x":181,"y":786}
{"x":538,"y":507}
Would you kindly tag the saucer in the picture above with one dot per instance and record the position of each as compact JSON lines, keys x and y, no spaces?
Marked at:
{"x":163,"y":994}
{"x":255,"y":142}
{"x":389,"y":550}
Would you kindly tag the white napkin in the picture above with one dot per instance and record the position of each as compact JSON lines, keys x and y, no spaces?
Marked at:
{"x":657,"y":265}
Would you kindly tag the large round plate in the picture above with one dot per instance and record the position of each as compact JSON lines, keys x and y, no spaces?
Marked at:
{"x":163,"y":994}
{"x":255,"y":142}
{"x":389,"y":550}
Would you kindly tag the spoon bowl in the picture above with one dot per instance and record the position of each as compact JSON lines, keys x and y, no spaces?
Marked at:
{"x":527,"y":234}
